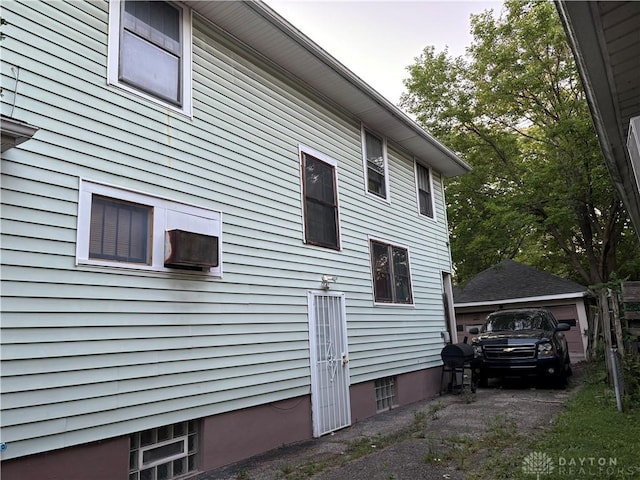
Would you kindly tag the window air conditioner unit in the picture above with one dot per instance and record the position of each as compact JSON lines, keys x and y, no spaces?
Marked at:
{"x":190,"y":250}
{"x":633,"y":145}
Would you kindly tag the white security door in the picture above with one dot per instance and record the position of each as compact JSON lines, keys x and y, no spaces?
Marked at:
{"x":329,"y":362}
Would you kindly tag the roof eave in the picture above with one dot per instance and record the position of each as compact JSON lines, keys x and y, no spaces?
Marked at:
{"x":584,"y":33}
{"x":508,"y":301}
{"x":262,"y":30}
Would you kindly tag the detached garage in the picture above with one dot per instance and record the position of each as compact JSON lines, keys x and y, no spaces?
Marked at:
{"x":510,"y":284}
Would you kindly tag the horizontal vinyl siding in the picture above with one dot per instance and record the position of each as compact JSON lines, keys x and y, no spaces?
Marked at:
{"x":387,"y":340}
{"x":93,"y":352}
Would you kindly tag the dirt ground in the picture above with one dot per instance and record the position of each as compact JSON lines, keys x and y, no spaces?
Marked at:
{"x":454,"y":437}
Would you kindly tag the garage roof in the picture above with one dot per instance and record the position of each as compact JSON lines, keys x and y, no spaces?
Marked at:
{"x":510,"y":280}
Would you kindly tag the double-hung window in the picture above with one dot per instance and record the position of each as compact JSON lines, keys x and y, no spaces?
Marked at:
{"x":375,"y":160}
{"x":150,"y":50}
{"x":321,"y":219}
{"x":424,"y":187}
{"x":391,"y":273}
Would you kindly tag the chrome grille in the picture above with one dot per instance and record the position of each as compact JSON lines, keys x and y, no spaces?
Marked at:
{"x":510,"y":352}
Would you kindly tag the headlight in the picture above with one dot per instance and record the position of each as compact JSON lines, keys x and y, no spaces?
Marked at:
{"x":477,"y":350}
{"x":545,"y":348}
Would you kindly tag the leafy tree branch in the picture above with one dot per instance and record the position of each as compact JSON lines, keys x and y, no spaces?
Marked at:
{"x":514,"y":108}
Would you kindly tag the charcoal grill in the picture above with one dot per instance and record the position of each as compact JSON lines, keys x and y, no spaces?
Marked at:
{"x":457,"y":368}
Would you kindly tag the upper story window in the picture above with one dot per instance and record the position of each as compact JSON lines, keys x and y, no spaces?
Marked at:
{"x":424,"y":187}
{"x":150,"y":51}
{"x":374,"y":150}
{"x":391,"y":273}
{"x":126,"y":229}
{"x":320,"y":192}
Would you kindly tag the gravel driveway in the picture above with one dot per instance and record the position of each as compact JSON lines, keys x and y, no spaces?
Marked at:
{"x":449,"y":437}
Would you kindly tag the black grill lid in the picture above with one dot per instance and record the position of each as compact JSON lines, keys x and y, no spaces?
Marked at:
{"x":457,"y":354}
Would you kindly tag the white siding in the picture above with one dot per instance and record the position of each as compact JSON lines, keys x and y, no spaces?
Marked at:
{"x":94,"y":352}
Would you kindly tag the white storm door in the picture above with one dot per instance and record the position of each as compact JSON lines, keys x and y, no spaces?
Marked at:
{"x":331,"y":408}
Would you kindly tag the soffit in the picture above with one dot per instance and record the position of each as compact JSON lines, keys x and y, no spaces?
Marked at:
{"x":605,"y":38}
{"x":267,"y":34}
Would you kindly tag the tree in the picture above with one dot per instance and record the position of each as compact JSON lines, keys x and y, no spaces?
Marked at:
{"x":514,"y":108}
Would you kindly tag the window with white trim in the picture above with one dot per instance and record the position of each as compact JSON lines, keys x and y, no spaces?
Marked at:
{"x":320,"y":193}
{"x":164,"y":453}
{"x":374,"y":148}
{"x":123,"y":228}
{"x":150,"y":50}
{"x":391,"y":273}
{"x":424,"y":188}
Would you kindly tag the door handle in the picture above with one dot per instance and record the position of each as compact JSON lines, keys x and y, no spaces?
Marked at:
{"x":345,"y":360}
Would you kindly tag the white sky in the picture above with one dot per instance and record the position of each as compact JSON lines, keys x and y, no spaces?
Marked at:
{"x":378,"y":39}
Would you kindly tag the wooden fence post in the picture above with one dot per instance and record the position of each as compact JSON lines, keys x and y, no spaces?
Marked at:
{"x":617,"y":324}
{"x":595,"y":331}
{"x":606,"y":332}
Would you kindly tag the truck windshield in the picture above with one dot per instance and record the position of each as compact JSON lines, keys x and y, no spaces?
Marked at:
{"x":513,"y":321}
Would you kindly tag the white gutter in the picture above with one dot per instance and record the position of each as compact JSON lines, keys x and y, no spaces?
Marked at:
{"x":543,"y":298}
{"x":14,"y":132}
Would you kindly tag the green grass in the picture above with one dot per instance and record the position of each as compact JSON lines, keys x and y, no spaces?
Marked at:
{"x":592,"y":428}
{"x":590,"y":439}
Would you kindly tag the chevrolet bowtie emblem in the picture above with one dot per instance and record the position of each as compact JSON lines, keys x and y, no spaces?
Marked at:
{"x":508,"y":350}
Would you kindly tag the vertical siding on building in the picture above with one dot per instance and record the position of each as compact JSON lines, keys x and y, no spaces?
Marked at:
{"x":91,"y":352}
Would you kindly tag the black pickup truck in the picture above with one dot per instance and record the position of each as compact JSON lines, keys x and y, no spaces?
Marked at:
{"x":520,"y":343}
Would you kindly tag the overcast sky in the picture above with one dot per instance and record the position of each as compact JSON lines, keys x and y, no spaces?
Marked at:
{"x":377,"y":40}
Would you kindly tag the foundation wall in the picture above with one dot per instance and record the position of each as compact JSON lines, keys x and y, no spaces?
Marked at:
{"x":106,"y":460}
{"x":234,"y":436}
{"x":224,"y":439}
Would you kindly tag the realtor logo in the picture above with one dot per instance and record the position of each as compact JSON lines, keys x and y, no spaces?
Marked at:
{"x":537,"y":463}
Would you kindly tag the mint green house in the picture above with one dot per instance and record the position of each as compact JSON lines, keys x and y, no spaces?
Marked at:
{"x":216,"y":239}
